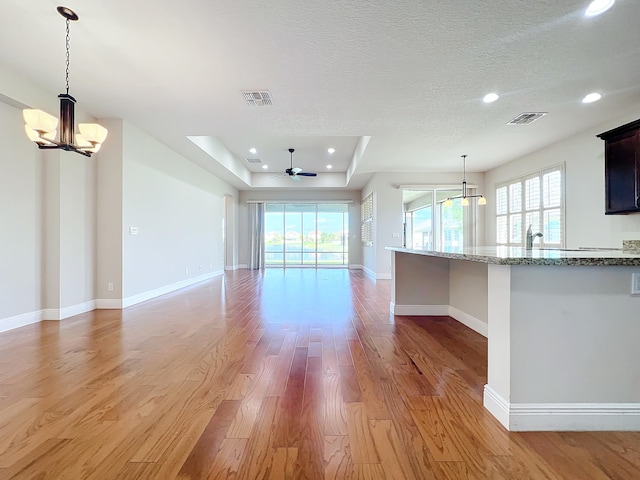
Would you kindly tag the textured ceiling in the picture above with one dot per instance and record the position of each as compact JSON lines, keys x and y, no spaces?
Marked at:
{"x":409,"y":74}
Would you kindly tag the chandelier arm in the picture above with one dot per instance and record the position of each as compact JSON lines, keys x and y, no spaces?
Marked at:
{"x":63,"y":146}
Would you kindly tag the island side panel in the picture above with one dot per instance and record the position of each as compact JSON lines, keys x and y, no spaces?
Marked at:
{"x":497,"y":392}
{"x":419,"y":285}
{"x":575,"y":352}
{"x":468,"y":294}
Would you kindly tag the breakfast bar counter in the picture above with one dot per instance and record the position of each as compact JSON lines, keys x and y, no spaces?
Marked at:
{"x":563,"y":328}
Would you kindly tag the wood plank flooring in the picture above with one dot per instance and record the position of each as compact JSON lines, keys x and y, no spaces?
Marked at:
{"x":296,"y":374}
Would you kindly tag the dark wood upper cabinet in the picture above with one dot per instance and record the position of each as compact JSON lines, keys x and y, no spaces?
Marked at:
{"x":622,"y":169}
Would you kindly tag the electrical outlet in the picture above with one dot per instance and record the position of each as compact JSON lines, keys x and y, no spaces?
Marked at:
{"x":186,"y":271}
{"x":110,"y":286}
{"x":133,"y":230}
{"x":635,"y":284}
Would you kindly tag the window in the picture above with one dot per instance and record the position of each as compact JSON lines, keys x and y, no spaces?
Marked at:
{"x":536,"y":200}
{"x":366,"y":218}
{"x":430,"y":224}
{"x":306,"y":235}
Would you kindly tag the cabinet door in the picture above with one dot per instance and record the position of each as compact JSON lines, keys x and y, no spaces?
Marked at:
{"x":622,"y":173}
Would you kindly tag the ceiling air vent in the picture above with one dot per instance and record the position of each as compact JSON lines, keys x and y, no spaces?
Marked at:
{"x":254,"y":161}
{"x":260,"y":98}
{"x":526,"y":118}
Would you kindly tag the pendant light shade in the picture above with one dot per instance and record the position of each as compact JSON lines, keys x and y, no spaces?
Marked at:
{"x":41,"y":127}
{"x":92,"y":132}
{"x":40,"y":138}
{"x":39,"y":122}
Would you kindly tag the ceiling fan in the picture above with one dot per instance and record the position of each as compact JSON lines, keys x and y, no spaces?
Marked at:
{"x":296,"y":173}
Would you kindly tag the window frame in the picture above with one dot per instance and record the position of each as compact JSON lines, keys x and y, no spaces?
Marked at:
{"x":506,"y":219}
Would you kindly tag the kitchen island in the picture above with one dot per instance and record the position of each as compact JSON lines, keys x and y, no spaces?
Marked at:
{"x":563,"y":328}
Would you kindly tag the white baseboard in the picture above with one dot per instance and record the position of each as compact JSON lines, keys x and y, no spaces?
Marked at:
{"x":143,"y":297}
{"x":419,"y":310}
{"x":566,"y":417}
{"x":472,"y":322}
{"x":355,"y":266}
{"x":376,"y":276}
{"x":369,"y":272}
{"x":21,"y":320}
{"x":231,"y":268}
{"x":497,"y":405}
{"x":109,"y":303}
{"x":66,"y":312}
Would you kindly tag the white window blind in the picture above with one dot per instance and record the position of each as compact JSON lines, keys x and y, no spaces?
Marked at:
{"x":366,"y":220}
{"x":535,"y":200}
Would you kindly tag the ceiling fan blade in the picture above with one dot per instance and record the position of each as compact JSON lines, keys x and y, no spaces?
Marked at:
{"x":295,"y":178}
{"x":307,"y":174}
{"x":296,"y":170}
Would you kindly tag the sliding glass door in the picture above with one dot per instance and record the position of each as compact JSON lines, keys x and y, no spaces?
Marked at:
{"x":431,"y":224}
{"x":306,"y":234}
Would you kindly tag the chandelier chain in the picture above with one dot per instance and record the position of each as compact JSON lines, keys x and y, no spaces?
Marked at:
{"x":67,"y":48}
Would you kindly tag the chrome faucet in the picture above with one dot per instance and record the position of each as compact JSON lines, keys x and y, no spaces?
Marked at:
{"x":530,"y":237}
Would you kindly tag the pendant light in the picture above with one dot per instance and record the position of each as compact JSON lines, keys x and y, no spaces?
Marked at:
{"x":41,"y":127}
{"x":465,"y":198}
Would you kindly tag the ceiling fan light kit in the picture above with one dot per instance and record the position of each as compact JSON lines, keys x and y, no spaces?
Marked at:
{"x":41,"y":127}
{"x":465,"y":198}
{"x":296,"y":173}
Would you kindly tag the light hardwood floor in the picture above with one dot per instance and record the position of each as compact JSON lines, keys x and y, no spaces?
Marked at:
{"x":288,"y":374}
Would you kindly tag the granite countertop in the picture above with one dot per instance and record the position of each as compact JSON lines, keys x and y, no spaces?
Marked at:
{"x":503,"y":255}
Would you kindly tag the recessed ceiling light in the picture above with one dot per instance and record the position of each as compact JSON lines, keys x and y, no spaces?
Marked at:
{"x":253,"y":150}
{"x":329,"y":167}
{"x":597,"y":7}
{"x":265,"y":167}
{"x":490,"y":97}
{"x":592,"y":97}
{"x":331,"y":150}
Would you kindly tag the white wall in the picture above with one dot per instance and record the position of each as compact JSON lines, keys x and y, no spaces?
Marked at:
{"x":177,"y":208}
{"x":77,"y":227}
{"x":583,"y":155}
{"x":109,"y":217}
{"x":388,"y":212}
{"x":47,"y":210}
{"x":355,"y":248}
{"x":21,"y":218}
{"x":63,"y":217}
